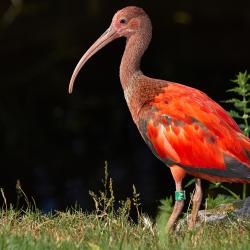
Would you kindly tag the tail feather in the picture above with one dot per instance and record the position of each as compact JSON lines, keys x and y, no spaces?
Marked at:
{"x":235,"y":171}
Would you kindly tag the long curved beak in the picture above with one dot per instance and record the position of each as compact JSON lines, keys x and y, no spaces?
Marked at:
{"x":109,"y":35}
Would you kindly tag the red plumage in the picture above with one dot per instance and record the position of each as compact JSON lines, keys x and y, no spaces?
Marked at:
{"x":189,"y":128}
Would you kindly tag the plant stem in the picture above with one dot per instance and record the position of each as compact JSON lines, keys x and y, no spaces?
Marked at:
{"x":230,"y":192}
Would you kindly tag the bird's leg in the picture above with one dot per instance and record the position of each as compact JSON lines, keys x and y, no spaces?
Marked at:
{"x":178,"y":206}
{"x":178,"y":174}
{"x":196,"y":203}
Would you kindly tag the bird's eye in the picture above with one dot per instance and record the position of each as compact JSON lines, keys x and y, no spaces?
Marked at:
{"x":123,"y":21}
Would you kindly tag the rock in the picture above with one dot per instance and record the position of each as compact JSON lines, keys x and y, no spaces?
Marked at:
{"x":236,"y":210}
{"x":244,"y":210}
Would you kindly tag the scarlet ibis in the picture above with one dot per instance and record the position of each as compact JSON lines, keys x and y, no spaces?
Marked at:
{"x":183,"y":127}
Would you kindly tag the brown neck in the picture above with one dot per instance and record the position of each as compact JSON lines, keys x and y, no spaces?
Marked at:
{"x":135,"y":48}
{"x":137,"y":87}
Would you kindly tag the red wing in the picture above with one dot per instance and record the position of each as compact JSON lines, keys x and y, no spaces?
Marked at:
{"x":187,"y":144}
{"x":179,"y":101}
{"x":191,"y":129}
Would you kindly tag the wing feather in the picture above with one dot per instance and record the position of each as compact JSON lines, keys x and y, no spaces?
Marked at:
{"x":189,"y":128}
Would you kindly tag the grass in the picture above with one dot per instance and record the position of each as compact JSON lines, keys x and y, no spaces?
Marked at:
{"x":77,"y":230}
{"x":109,"y":226}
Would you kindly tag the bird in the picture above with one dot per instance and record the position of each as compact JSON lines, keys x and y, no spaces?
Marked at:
{"x":184,"y":128}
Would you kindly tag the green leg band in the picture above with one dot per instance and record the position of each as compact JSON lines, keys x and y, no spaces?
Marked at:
{"x":180,"y":195}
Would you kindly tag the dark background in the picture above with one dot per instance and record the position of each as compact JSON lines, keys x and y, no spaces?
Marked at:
{"x":57,"y":143}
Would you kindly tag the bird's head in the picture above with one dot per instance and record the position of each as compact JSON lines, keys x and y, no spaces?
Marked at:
{"x":125,"y":23}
